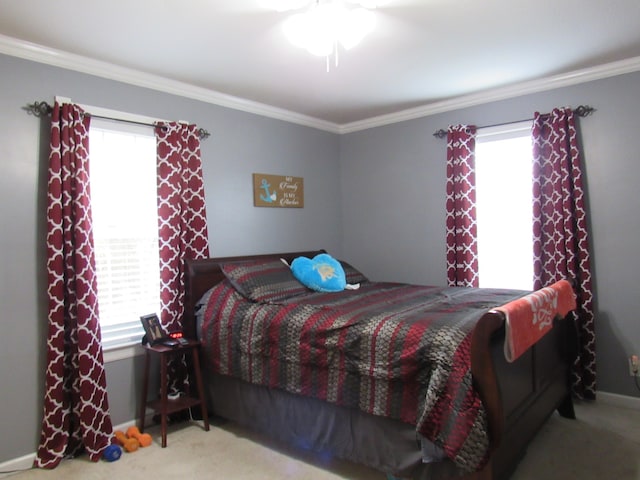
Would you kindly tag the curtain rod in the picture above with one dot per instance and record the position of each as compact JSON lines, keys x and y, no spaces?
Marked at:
{"x":42,"y":109}
{"x":581,"y":111}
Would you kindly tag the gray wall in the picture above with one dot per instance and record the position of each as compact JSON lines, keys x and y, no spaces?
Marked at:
{"x":393,"y":181}
{"x":374,"y":197}
{"x":240,"y":145}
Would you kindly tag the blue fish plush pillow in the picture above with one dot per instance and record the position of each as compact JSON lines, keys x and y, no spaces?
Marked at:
{"x":322,"y":273}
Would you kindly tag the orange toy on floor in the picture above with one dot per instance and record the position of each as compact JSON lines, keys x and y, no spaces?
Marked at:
{"x":128,"y":444}
{"x":143,"y":438}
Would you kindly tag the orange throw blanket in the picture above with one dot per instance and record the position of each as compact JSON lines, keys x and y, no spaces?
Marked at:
{"x":529,"y":318}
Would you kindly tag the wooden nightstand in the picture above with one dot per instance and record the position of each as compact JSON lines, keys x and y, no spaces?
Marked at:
{"x":164,"y":406}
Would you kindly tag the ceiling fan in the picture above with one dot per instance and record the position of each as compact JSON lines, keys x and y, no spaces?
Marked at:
{"x":320,"y":26}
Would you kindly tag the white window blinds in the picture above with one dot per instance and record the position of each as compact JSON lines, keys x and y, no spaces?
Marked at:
{"x":125,"y":228}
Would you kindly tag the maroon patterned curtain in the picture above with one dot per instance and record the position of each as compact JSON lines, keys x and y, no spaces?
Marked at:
{"x":561,"y":242}
{"x":462,"y":231}
{"x":182,"y":219}
{"x":76,"y":409}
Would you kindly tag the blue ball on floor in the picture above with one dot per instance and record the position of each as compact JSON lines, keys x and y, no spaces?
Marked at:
{"x":112,"y":453}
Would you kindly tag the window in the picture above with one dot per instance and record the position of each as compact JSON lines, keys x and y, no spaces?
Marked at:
{"x":504,"y":200}
{"x":125,"y":228}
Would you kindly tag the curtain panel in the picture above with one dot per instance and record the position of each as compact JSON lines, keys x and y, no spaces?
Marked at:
{"x":76,"y":408}
{"x":461,"y":227}
{"x":561,"y":241}
{"x":182,"y":218}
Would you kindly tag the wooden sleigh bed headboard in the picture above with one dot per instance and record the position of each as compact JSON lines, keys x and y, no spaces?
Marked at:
{"x":201,"y":275}
{"x":518,"y":396}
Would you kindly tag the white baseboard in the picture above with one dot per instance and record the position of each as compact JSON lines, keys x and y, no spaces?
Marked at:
{"x":616,"y":400}
{"x":26,"y":462}
{"x":17,"y":464}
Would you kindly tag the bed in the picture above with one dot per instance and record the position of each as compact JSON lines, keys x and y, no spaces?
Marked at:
{"x":515,"y":398}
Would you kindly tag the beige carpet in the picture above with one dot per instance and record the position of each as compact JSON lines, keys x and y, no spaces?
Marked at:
{"x":604,"y":443}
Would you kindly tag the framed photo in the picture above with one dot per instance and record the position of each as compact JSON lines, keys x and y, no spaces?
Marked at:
{"x":154,"y":332}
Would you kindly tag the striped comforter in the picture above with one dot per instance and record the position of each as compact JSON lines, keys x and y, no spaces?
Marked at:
{"x":394,"y":350}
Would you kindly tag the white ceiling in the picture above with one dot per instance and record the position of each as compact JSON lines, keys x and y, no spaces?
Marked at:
{"x":421,"y":53}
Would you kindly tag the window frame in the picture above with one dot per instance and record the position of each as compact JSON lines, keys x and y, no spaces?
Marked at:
{"x":130,"y":350}
{"x":131,"y":328}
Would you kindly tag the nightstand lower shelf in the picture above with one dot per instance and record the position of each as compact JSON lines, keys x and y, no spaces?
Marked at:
{"x":173,"y":406}
{"x":165,"y":406}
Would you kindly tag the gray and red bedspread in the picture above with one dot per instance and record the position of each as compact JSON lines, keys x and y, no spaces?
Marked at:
{"x":394,"y":350}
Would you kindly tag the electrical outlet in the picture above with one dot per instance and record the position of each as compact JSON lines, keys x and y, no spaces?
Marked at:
{"x":634,"y":366}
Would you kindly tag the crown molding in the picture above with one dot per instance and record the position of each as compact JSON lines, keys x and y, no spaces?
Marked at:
{"x":58,"y":58}
{"x":38,"y":53}
{"x":500,"y":93}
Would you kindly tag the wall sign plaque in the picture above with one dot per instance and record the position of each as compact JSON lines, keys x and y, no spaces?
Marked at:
{"x":278,"y":191}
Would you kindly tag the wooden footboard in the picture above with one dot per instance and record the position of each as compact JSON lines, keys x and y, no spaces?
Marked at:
{"x":520,"y":396}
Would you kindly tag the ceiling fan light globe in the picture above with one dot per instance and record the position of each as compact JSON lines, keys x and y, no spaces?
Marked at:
{"x":284,"y":5}
{"x":369,"y":3}
{"x":296,"y":29}
{"x":359,"y":23}
{"x":325,"y":25}
{"x":321,"y":47}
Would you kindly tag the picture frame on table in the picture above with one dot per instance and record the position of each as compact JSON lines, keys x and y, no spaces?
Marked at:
{"x":154,"y":333}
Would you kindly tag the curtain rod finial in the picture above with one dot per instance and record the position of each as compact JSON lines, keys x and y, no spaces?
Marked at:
{"x":440,"y":133}
{"x":39,"y":109}
{"x":203,"y":134}
{"x":584,"y":110}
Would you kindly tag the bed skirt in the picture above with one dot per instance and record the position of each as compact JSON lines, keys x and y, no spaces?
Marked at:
{"x":387,"y":445}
